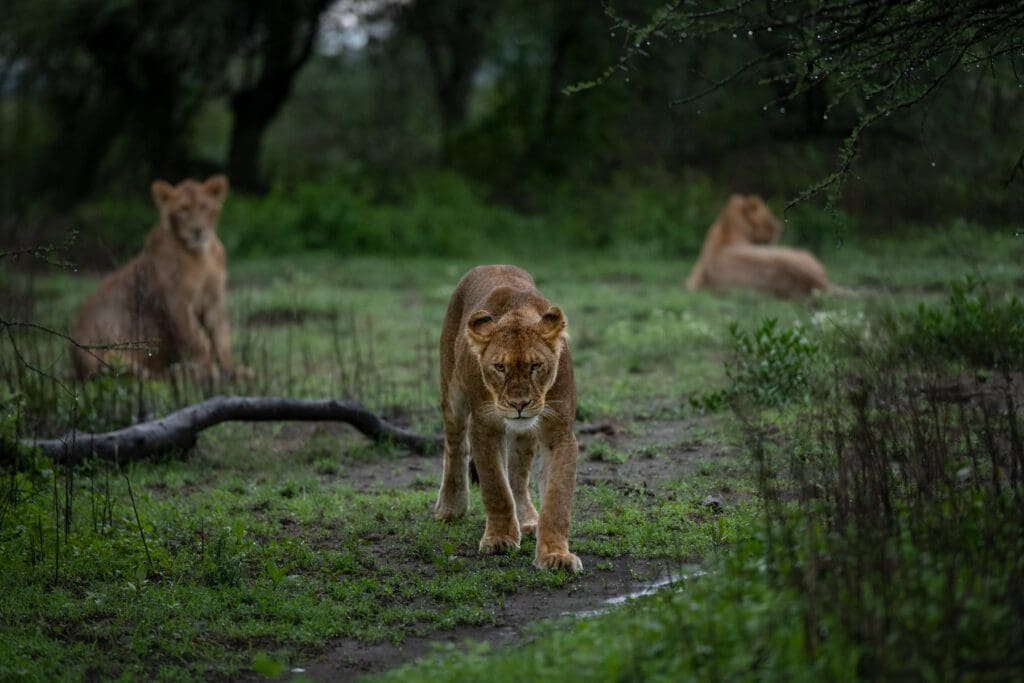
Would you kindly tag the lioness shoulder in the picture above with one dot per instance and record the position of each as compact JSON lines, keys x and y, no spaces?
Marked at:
{"x":507,"y":396}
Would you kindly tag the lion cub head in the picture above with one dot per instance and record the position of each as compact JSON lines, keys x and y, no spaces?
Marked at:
{"x":518,"y":355}
{"x":749,"y":220}
{"x":190,"y":209}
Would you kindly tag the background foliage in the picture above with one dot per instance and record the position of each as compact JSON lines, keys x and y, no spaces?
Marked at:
{"x":404,"y":119}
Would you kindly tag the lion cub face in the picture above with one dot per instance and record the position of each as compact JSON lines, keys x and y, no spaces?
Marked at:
{"x":518,"y":359}
{"x":191,"y":209}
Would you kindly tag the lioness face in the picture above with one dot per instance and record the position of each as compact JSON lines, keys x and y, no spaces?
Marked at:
{"x":765,"y":227}
{"x":518,"y":362}
{"x":191,"y":209}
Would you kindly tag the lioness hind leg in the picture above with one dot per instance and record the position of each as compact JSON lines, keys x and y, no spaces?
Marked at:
{"x":523,"y":449}
{"x":453,"y":498}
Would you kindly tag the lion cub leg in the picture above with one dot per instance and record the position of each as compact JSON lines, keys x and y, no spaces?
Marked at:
{"x":501,"y":532}
{"x":453,"y":498}
{"x":557,"y":481}
{"x":522,"y":449}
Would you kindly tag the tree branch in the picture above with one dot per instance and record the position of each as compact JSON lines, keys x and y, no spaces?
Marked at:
{"x":178,"y":431}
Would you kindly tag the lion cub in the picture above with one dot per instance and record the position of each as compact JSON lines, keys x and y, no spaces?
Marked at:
{"x":169,"y":298}
{"x":738,"y":252}
{"x":507,"y":392}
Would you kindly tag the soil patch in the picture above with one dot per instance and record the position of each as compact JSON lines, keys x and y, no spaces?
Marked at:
{"x":348,"y":659}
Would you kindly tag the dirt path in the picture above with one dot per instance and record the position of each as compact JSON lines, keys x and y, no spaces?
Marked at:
{"x":347,"y":659}
{"x":662,"y":452}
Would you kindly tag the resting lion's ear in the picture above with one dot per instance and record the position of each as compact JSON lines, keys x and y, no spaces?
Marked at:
{"x":217,"y":187}
{"x":553,"y":325}
{"x":479,"y":330}
{"x":162,"y":192}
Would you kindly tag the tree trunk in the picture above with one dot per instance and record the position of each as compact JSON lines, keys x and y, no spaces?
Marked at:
{"x":246,"y":146}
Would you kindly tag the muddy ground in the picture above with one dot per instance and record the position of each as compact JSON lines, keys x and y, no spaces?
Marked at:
{"x":662,"y":452}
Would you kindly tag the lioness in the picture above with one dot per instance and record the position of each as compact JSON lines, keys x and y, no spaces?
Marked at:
{"x":169,"y":298}
{"x":507,"y":391}
{"x":738,"y":252}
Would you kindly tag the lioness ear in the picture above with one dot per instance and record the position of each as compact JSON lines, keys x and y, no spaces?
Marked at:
{"x":162,"y":192}
{"x":552,"y":325}
{"x":217,"y":187}
{"x":479,"y":330}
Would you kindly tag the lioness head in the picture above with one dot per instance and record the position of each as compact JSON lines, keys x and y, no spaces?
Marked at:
{"x":518,"y":355}
{"x":749,"y":219}
{"x":190,"y":209}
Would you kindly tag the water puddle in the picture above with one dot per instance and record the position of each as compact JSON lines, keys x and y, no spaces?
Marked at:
{"x":670,"y":578}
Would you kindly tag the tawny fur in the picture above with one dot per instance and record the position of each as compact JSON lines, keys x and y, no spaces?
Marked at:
{"x":507,"y":394}
{"x":739,"y":252}
{"x":170,"y":297}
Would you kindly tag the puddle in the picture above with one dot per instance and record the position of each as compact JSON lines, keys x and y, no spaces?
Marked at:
{"x":649,"y":588}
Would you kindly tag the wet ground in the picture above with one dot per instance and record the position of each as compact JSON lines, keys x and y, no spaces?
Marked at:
{"x":661,"y":453}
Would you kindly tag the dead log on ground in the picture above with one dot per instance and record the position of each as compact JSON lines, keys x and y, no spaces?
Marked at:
{"x":178,"y":431}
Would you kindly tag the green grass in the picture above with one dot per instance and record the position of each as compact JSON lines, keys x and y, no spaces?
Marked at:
{"x":261,"y":546}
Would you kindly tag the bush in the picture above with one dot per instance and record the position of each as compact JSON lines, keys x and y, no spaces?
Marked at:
{"x":769,"y":368}
{"x":974,"y":328}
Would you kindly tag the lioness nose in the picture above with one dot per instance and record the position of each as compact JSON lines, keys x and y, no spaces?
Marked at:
{"x":519,"y":405}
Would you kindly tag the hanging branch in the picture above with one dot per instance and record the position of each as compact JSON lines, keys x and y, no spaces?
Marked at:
{"x":868,"y":57}
{"x":178,"y":431}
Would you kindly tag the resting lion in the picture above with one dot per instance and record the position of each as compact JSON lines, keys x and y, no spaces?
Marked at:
{"x":166,"y":304}
{"x":507,"y":392}
{"x":739,"y":252}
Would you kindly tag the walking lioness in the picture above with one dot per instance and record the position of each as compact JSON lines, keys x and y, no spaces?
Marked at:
{"x":507,"y":392}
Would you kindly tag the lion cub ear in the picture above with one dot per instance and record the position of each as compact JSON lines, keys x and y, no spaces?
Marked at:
{"x":162,"y":192}
{"x":217,"y":187}
{"x":553,"y":326}
{"x":479,"y":330}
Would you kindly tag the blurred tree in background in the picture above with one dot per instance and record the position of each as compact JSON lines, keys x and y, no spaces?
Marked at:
{"x":916,"y":107}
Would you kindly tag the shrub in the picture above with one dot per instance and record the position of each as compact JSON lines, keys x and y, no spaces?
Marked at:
{"x":974,"y":328}
{"x":769,"y":367}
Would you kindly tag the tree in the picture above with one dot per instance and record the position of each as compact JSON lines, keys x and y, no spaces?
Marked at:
{"x":278,"y":40}
{"x":454,"y":37}
{"x":875,"y":57}
{"x":108,"y":70}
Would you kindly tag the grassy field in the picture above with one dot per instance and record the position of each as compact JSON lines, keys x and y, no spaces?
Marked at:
{"x":276,"y":546}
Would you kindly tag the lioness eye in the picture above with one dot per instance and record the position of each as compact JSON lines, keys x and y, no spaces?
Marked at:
{"x":536,"y":366}
{"x":499,"y":367}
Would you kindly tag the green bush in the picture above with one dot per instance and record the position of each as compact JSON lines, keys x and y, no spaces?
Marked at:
{"x":974,"y":328}
{"x":770,"y":367}
{"x":435,"y":214}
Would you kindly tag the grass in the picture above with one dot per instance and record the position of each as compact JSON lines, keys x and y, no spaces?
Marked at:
{"x":270,"y":540}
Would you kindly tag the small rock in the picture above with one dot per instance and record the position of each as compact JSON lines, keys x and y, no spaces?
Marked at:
{"x":714,"y":502}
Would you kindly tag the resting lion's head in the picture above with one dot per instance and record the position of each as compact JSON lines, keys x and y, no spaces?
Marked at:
{"x":191,"y":209}
{"x":518,"y":355}
{"x":748,"y":219}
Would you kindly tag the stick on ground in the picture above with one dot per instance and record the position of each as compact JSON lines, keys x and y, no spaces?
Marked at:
{"x":178,"y":431}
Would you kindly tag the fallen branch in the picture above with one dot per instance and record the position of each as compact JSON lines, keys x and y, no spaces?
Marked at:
{"x":178,"y":431}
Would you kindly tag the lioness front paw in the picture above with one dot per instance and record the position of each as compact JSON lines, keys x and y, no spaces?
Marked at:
{"x":559,"y":561}
{"x":448,"y":513}
{"x":498,"y":544}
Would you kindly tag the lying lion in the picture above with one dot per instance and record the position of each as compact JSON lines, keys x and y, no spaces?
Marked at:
{"x":507,"y":392}
{"x":167,"y":304}
{"x":739,"y":252}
